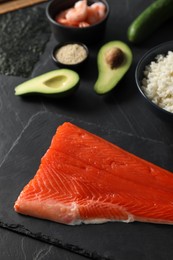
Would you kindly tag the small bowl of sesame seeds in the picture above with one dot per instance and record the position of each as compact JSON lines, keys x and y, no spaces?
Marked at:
{"x":72,"y":55}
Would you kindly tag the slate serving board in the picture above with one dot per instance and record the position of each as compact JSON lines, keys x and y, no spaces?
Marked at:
{"x":104,"y":241}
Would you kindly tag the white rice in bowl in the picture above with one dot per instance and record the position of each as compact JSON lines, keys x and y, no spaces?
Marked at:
{"x":157,"y":83}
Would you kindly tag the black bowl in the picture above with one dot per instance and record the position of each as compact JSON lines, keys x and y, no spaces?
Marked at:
{"x":74,"y":66}
{"x":146,"y":60}
{"x":88,"y":35}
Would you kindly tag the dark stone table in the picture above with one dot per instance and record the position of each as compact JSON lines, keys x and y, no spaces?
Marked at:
{"x":123,"y":111}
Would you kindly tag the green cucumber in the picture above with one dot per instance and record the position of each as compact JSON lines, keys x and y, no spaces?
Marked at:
{"x":149,"y":20}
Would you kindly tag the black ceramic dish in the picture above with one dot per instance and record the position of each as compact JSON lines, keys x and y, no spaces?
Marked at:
{"x":146,"y":60}
{"x":75,"y":66}
{"x":88,"y":35}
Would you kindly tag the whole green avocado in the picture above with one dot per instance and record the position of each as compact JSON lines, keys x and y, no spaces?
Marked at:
{"x":114,"y":59}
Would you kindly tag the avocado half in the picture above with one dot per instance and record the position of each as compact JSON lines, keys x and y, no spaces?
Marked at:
{"x":57,"y":83}
{"x":113,"y":60}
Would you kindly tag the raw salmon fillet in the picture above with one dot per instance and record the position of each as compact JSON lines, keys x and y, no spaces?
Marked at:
{"x":83,"y":178}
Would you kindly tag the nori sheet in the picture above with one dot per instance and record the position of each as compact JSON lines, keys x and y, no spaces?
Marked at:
{"x":23,"y":37}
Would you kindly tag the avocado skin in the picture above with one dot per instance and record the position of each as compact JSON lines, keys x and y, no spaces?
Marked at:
{"x":55,"y":84}
{"x":108,"y":78}
{"x":60,"y":95}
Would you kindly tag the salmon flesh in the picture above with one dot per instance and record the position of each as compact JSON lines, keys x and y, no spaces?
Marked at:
{"x":83,"y":178}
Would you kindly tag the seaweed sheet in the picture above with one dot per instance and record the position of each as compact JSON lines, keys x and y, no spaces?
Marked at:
{"x":29,"y":30}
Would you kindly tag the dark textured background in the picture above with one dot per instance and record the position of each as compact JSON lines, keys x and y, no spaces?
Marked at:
{"x":123,"y":111}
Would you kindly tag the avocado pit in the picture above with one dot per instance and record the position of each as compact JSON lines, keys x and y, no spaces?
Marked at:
{"x":114,"y":57}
